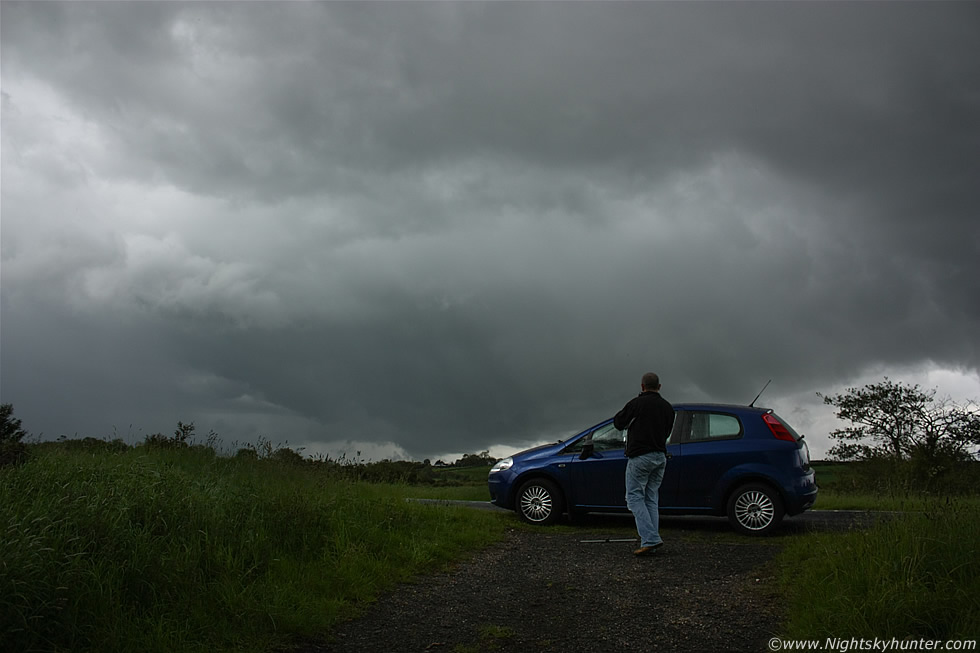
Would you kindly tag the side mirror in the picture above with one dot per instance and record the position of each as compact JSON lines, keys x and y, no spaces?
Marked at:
{"x":587,"y":451}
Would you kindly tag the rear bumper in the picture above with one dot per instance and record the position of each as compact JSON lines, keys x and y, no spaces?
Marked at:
{"x":803,"y":494}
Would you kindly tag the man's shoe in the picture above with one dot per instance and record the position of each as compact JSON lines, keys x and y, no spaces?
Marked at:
{"x":648,"y":550}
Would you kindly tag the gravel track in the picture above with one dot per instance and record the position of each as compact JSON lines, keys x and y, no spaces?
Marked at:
{"x":547,"y":590}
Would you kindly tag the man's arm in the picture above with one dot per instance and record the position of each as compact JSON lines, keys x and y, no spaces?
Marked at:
{"x":625,"y":416}
{"x":670,"y":416}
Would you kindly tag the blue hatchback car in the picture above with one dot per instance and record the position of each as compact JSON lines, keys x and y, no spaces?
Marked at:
{"x":740,"y":461}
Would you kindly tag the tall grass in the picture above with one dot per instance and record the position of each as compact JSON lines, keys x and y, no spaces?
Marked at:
{"x":164,"y":550}
{"x":917,"y":576}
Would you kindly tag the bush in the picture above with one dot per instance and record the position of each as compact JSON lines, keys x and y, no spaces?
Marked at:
{"x":182,"y":438}
{"x":13,"y":450}
{"x":286,"y":456}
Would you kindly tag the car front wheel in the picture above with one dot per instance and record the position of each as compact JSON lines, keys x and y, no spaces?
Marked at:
{"x":539,"y":502}
{"x":755,"y":509}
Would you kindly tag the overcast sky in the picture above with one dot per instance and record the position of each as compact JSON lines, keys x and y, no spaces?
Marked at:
{"x":419,"y":229}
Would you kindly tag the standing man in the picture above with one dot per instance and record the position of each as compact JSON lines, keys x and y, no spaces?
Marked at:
{"x":649,"y":418}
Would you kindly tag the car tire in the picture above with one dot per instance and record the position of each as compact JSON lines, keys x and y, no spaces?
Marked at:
{"x":539,"y":501}
{"x":755,"y":509}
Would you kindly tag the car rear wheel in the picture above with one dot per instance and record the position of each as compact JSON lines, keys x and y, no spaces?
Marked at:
{"x":755,"y":509}
{"x":539,"y":502}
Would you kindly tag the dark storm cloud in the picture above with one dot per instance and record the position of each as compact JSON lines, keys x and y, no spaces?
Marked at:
{"x":450,"y":225}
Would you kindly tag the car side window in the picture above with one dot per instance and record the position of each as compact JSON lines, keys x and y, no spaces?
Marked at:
{"x":713,"y":426}
{"x":608,"y":437}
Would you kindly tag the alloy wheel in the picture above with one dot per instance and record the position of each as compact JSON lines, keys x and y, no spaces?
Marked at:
{"x":754,"y":510}
{"x":536,"y":503}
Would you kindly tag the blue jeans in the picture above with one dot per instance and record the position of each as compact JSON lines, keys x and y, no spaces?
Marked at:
{"x":643,"y":477}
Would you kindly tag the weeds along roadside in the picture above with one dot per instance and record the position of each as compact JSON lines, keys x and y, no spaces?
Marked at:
{"x":162,"y":550}
{"x":913,"y":576}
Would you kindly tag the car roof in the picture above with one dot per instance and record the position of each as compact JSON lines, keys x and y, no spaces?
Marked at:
{"x":726,"y":407}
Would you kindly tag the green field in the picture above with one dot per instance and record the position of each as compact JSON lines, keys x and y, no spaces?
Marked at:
{"x":155,"y":549}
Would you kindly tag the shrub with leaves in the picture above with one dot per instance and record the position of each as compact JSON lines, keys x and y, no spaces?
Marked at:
{"x":179,"y":440}
{"x":12,"y":448}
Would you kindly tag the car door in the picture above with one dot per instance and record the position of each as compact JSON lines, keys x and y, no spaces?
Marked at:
{"x":707,"y":447}
{"x":672,"y":474}
{"x":599,"y":479}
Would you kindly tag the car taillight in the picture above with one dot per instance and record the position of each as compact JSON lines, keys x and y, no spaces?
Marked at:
{"x":779,"y":431}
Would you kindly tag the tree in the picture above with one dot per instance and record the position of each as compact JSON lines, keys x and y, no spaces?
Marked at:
{"x":902,"y":422}
{"x":12,"y":450}
{"x":475,"y":460}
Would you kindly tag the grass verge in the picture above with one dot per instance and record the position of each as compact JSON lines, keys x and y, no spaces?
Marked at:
{"x":916,"y":576}
{"x":156,"y":550}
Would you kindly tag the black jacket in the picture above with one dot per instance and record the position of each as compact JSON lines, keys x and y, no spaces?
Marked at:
{"x":650,"y":419}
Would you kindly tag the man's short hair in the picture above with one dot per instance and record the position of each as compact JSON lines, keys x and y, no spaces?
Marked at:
{"x":650,"y":381}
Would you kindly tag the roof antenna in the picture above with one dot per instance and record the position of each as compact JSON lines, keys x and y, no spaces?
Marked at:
{"x":752,"y":405}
